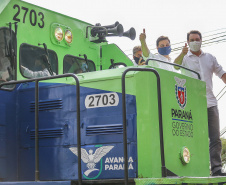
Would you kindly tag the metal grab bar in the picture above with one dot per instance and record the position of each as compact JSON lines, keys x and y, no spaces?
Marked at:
{"x":173,"y":64}
{"x":164,"y":173}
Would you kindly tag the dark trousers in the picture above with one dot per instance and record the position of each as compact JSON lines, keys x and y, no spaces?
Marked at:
{"x":214,"y":138}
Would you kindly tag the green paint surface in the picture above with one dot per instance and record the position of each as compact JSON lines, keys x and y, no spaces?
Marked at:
{"x":149,"y":160}
{"x":142,"y":85}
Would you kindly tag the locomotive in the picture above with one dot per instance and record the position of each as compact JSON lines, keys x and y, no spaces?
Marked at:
{"x":93,"y":118}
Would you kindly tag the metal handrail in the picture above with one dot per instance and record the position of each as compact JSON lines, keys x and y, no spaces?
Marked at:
{"x":164,"y":174}
{"x":173,"y":64}
{"x":36,"y":80}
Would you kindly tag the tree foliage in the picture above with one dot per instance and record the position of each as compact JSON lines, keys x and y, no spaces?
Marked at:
{"x":223,"y":152}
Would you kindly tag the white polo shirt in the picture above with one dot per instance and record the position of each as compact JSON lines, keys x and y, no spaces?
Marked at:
{"x":205,"y":64}
{"x":159,"y":64}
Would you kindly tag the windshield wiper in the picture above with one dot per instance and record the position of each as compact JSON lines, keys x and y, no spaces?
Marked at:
{"x":46,"y":59}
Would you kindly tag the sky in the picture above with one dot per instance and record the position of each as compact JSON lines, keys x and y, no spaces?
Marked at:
{"x":172,"y":18}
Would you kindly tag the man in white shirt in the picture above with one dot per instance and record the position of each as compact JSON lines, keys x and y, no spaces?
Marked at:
{"x":164,"y":49}
{"x":41,"y":69}
{"x":206,"y":64}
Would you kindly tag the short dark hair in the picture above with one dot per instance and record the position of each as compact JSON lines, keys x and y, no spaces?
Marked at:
{"x":160,"y":39}
{"x":194,"y":32}
{"x":136,"y":49}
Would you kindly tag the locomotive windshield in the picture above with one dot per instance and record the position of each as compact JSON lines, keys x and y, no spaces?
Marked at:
{"x":7,"y":55}
{"x":77,"y":65}
{"x":34,"y":61}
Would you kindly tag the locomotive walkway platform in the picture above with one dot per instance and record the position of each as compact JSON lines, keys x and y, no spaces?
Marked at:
{"x":181,"y":180}
{"x":139,"y":181}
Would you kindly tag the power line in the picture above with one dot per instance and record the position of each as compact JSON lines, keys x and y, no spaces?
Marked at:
{"x":220,"y":91}
{"x":222,"y":131}
{"x":221,"y":96}
{"x":204,"y":44}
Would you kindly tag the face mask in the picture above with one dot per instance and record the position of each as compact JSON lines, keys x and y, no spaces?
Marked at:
{"x":138,"y":59}
{"x":195,"y":46}
{"x":164,"y":50}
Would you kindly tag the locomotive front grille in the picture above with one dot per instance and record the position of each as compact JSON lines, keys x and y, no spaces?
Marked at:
{"x":104,"y":129}
{"x":47,"y":133}
{"x":47,"y":105}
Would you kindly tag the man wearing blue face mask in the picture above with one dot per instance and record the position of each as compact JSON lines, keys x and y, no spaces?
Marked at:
{"x":206,"y":64}
{"x":164,"y":49}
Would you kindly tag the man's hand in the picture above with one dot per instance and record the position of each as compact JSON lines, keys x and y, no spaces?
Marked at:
{"x":144,"y":46}
{"x":179,"y":59}
{"x":22,"y":68}
{"x":141,"y":62}
{"x":224,"y":78}
{"x":143,"y":36}
{"x":184,"y":50}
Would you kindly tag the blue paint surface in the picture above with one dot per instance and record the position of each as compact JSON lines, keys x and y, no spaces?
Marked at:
{"x":8,"y":141}
{"x":57,"y":133}
{"x":37,"y":183}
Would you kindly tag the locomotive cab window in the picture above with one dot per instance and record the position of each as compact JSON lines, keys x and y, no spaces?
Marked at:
{"x":77,"y":65}
{"x":7,"y":55}
{"x":36,"y":62}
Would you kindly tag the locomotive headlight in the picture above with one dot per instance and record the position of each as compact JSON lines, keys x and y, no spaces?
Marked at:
{"x":59,"y":34}
{"x":68,"y":36}
{"x":185,"y":155}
